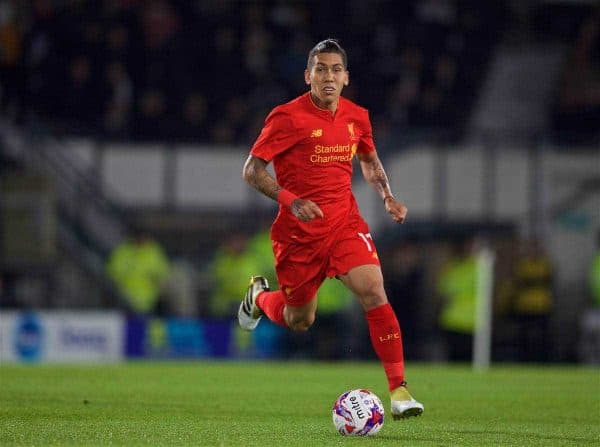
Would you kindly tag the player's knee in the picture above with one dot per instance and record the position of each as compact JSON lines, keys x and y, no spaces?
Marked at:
{"x":301,"y":323}
{"x":373,"y":288}
{"x":371,"y":302}
{"x":372,"y":295}
{"x":299,"y":326}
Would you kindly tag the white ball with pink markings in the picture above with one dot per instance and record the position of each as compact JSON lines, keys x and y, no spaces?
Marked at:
{"x":358,"y":412}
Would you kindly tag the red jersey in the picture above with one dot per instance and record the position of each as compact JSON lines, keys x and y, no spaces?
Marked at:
{"x":312,"y":152}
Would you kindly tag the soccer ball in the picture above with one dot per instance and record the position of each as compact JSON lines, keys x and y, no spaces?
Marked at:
{"x":358,"y":413}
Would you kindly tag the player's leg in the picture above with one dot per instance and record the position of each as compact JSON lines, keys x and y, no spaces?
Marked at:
{"x":366,"y":282}
{"x":295,"y":305}
{"x":298,"y":315}
{"x":300,"y":271}
{"x":356,"y":263}
{"x":300,"y":318}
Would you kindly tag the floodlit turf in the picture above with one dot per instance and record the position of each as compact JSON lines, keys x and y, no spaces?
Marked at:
{"x":289,"y":404}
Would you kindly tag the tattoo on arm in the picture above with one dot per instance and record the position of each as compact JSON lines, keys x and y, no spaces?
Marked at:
{"x":256,"y":174}
{"x":375,"y":174}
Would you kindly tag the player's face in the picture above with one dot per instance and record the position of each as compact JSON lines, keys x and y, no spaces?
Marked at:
{"x":327,"y":77}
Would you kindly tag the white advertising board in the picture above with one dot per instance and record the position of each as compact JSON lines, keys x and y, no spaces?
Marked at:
{"x":61,"y":336}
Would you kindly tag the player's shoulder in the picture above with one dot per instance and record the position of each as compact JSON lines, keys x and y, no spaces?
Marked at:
{"x":352,"y":107}
{"x":292,"y":114}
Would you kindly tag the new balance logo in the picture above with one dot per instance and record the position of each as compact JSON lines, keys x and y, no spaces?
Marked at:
{"x":316,"y":133}
{"x":388,"y":337}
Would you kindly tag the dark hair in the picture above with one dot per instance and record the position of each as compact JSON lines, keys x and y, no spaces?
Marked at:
{"x":327,"y":46}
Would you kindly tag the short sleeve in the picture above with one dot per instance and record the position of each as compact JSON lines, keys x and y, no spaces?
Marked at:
{"x":277,"y":136}
{"x":366,"y":144}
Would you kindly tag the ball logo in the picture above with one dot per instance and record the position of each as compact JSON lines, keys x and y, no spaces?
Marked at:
{"x":357,"y":407}
{"x":28,"y":338}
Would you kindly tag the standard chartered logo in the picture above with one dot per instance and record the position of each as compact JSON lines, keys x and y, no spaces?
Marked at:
{"x":336,"y":153}
{"x":319,"y":149}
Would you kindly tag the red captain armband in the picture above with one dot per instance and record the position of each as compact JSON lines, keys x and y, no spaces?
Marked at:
{"x":286,"y":198}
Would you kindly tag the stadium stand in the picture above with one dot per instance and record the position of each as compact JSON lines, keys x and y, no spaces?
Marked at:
{"x":210,"y":71}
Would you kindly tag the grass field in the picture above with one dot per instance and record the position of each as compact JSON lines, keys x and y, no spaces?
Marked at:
{"x":289,"y":404}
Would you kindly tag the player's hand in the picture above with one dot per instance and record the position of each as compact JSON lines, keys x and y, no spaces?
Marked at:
{"x":396,"y":209}
{"x":306,"y":210}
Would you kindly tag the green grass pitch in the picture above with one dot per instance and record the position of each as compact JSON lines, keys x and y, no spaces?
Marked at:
{"x":273,"y":404}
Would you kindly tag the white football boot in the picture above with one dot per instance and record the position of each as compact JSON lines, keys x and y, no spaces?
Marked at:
{"x":249,"y":314}
{"x":403,"y":404}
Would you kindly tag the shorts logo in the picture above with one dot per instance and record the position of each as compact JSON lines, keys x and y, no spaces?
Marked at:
{"x":316,"y":133}
{"x":368,"y":240}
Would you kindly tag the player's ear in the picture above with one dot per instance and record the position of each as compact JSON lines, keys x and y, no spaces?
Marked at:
{"x":347,"y":79}
{"x":307,"y":76}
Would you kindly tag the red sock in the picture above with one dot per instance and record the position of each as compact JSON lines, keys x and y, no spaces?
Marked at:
{"x":272,"y":304}
{"x":387,"y":342}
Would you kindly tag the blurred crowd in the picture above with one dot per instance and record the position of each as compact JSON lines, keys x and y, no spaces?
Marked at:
{"x":209,"y":71}
{"x":431,"y":283}
{"x":577,"y":110}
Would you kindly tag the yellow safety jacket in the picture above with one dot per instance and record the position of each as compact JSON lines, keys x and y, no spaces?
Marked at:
{"x":139,"y":271}
{"x":458,"y":286}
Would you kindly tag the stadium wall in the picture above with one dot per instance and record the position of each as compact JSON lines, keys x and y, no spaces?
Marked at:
{"x":464,"y":183}
{"x":522,"y":185}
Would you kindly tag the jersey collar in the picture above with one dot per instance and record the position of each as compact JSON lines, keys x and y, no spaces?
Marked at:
{"x":323,"y":112}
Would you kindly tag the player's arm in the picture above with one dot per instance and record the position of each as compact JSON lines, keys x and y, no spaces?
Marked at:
{"x":374,"y":174}
{"x":256,"y":175}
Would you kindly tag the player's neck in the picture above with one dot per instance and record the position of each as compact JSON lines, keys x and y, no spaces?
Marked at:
{"x":329,"y":106}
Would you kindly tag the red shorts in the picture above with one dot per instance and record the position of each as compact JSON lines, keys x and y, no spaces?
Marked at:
{"x":302,"y":268}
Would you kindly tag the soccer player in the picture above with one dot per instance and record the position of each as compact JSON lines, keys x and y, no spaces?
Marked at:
{"x":318,"y":231}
